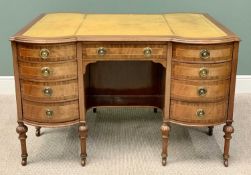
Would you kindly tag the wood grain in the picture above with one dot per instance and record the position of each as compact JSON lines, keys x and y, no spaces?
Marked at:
{"x":191,"y":53}
{"x":61,"y":91}
{"x":58,"y":71}
{"x":128,"y":51}
{"x":57,"y":52}
{"x":62,"y":112}
{"x":188,"y":90}
{"x":186,"y":71}
{"x":186,"y":112}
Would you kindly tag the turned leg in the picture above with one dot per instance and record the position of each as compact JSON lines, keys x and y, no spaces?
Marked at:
{"x":155,"y":110}
{"x":21,"y":130}
{"x":82,"y":136}
{"x":228,"y":129}
{"x":94,"y":110}
{"x":210,"y":130}
{"x":165,"y":134}
{"x":38,"y":128}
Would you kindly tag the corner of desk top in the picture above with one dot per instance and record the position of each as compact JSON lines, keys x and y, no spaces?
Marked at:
{"x":26,"y":27}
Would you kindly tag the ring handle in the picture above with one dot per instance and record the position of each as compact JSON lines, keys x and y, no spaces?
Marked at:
{"x":204,"y":54}
{"x":202,"y":91}
{"x":49,"y":113}
{"x":48,"y":91}
{"x":200,"y":113}
{"x":46,"y":71}
{"x":101,"y":51}
{"x":203,"y":72}
{"x":147,"y":52}
{"x":44,"y":54}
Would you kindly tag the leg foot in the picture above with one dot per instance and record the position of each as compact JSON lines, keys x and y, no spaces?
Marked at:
{"x":226,"y":163}
{"x":163,"y":161}
{"x":21,"y":130}
{"x":24,"y":161}
{"x":83,"y":161}
{"x":210,"y":130}
{"x":155,"y":110}
{"x":38,"y":131}
{"x":165,"y":134}
{"x":94,"y":110}
{"x":82,"y":136}
{"x":228,"y":129}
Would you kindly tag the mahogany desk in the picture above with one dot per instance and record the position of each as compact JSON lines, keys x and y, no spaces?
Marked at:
{"x":182,"y":63}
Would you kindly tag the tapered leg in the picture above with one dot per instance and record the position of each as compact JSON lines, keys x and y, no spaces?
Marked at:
{"x":165,"y":134}
{"x":228,"y":129}
{"x":83,"y":135}
{"x":210,"y":130}
{"x":21,"y":130}
{"x":38,"y":128}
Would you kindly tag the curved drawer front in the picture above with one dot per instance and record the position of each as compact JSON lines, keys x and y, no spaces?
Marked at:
{"x":198,"y":113}
{"x":50,"y":112}
{"x":124,"y":51}
{"x":202,"y":53}
{"x":46,"y":52}
{"x":48,"y":71}
{"x":199,"y":90}
{"x":201,"y":71}
{"x":54,"y":91}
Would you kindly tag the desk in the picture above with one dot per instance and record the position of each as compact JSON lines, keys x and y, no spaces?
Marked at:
{"x":183,"y":64}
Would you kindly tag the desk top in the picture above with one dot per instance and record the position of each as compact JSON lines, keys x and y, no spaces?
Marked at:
{"x":175,"y":25}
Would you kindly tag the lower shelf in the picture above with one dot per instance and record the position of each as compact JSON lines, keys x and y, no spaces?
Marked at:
{"x":125,"y":100}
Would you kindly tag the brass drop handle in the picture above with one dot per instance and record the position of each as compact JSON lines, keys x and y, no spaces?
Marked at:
{"x":101,"y":51}
{"x":202,"y":91}
{"x":200,"y":113}
{"x":203,"y":73}
{"x":46,"y":71}
{"x":147,"y":52}
{"x":47,"y":91}
{"x":49,"y":113}
{"x":44,"y":54}
{"x":204,"y":54}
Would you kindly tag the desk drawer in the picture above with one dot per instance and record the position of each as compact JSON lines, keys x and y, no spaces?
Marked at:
{"x":50,"y":112}
{"x":48,"y":92}
{"x":124,"y":51}
{"x":198,"y":113}
{"x":188,"y":71}
{"x":46,"y":52}
{"x":48,"y":71}
{"x":202,"y":53}
{"x":199,"y":90}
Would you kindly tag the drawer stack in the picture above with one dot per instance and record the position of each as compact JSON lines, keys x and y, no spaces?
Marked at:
{"x":200,"y":83}
{"x":49,"y":82}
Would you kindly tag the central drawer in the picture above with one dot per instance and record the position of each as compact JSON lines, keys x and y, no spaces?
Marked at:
{"x":124,"y":51}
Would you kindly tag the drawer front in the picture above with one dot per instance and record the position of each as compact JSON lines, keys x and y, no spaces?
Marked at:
{"x":188,"y":71}
{"x":47,"y":92}
{"x":46,"y":52}
{"x":48,"y":71}
{"x":50,"y":112}
{"x":198,"y":113}
{"x":202,"y":53}
{"x":199,"y":90}
{"x":124,"y":51}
